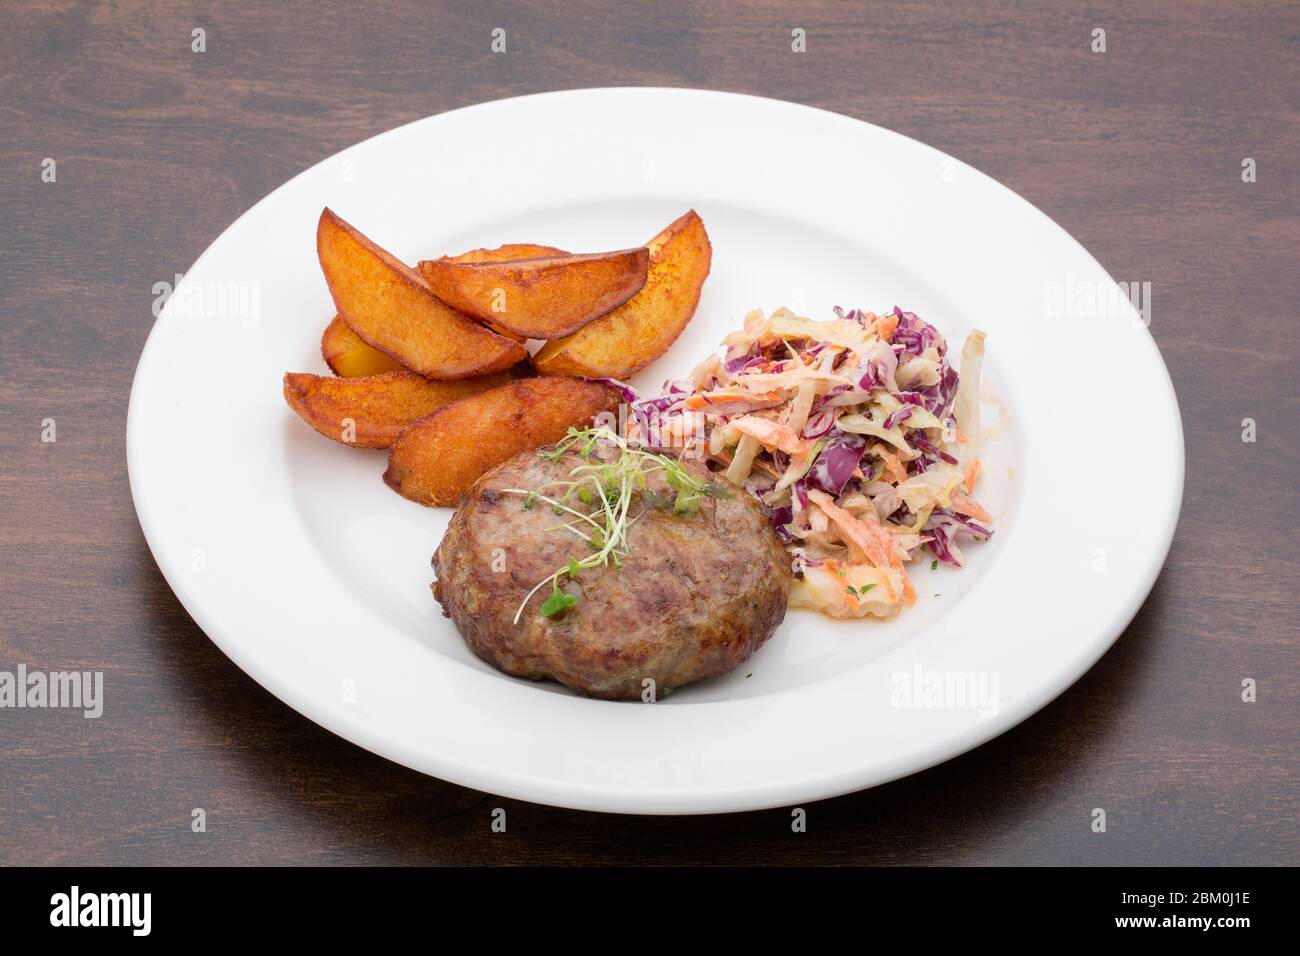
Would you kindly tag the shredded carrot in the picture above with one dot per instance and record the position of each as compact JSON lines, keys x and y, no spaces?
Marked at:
{"x":909,"y":592}
{"x":872,"y":541}
{"x":889,"y":588}
{"x":769,"y":433}
{"x":893,"y":466}
{"x":706,"y":401}
{"x":972,"y":472}
{"x":966,"y":505}
{"x":886,"y":325}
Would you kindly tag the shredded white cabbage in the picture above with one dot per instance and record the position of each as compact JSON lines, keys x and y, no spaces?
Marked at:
{"x":966,"y":408}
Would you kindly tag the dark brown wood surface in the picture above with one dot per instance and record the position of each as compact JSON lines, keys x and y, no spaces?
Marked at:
{"x":1136,"y":151}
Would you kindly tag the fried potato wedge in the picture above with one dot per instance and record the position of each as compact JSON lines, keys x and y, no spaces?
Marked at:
{"x":438,"y":458}
{"x":348,"y":356}
{"x":642,"y":329}
{"x":392,"y":309}
{"x":544,"y":297}
{"x":371,"y":411}
{"x":511,"y":250}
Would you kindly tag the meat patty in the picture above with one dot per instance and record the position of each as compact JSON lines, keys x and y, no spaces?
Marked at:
{"x":697,"y":595}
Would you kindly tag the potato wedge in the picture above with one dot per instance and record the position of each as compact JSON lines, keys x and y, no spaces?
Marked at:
{"x":371,"y":411}
{"x":439,"y":457}
{"x":348,"y":356}
{"x":544,"y":297}
{"x":393,"y":310}
{"x":639,"y":331}
{"x":511,"y":250}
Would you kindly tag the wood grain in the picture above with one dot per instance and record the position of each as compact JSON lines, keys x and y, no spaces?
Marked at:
{"x":1137,"y":152}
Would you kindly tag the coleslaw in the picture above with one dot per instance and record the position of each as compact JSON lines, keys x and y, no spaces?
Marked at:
{"x":851,"y":434}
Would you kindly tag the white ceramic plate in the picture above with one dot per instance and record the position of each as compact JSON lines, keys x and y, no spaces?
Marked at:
{"x":293,"y":556}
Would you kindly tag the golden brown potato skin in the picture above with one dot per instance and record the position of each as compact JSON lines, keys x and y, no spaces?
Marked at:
{"x":348,"y":356}
{"x":392,"y":309}
{"x":378,"y":406}
{"x":544,"y":297}
{"x":436,"y":459}
{"x":511,"y":250}
{"x":695,"y":598}
{"x":636,"y":333}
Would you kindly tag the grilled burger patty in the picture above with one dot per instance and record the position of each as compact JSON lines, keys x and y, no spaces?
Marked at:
{"x":698,"y":594}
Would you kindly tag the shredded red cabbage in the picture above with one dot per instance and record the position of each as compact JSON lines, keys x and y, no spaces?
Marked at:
{"x":629,"y":393}
{"x":744,"y":360}
{"x":819,"y":424}
{"x":930,"y":447}
{"x":834,"y":466}
{"x":853,"y":315}
{"x":779,"y":517}
{"x":937,"y":540}
{"x":902,"y":415}
{"x":916,"y":335}
{"x":942,"y":517}
{"x":799,"y":491}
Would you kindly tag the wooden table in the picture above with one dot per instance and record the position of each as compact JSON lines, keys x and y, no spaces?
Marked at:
{"x":1136,"y":151}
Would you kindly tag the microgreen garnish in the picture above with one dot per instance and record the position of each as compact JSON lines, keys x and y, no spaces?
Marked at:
{"x":934,"y":565}
{"x":606,"y":486}
{"x":858,"y":592}
{"x":558,"y":601}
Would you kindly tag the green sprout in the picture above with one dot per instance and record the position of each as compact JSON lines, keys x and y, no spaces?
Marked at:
{"x":558,"y":602}
{"x":607,"y":488}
